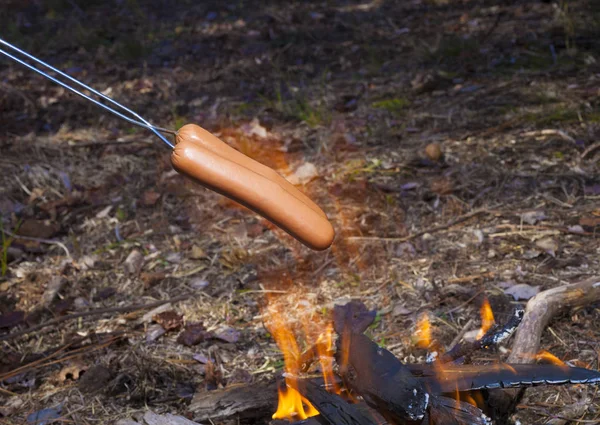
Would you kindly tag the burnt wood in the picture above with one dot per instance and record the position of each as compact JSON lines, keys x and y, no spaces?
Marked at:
{"x":374,"y":373}
{"x":333,"y":408}
{"x":476,"y":377}
{"x":494,"y":336}
{"x":244,"y":401}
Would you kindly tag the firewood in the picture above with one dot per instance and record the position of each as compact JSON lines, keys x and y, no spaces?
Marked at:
{"x":334,"y":409}
{"x":255,"y":401}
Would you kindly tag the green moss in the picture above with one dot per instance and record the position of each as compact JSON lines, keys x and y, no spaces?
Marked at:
{"x":394,"y":106}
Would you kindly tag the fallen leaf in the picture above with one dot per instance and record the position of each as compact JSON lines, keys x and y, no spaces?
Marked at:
{"x":44,"y":416}
{"x":134,"y":262}
{"x":150,"y":197}
{"x":442,"y":186}
{"x":530,"y":254}
{"x":43,"y":229}
{"x":169,"y":320}
{"x":197,"y":253}
{"x":522,"y":291}
{"x":228,"y":334}
{"x":154,"y":332}
{"x":72,"y":371}
{"x":255,"y":129}
{"x":303,"y":174}
{"x":200,"y":358}
{"x":589,"y":221}
{"x":11,"y":319}
{"x":199,"y":283}
{"x":193,"y":334}
{"x":532,"y":217}
{"x":95,"y":379}
{"x":105,"y":293}
{"x":152,"y":278}
{"x":240,"y":376}
{"x":11,"y":406}
{"x":548,"y":244}
{"x":400,"y":310}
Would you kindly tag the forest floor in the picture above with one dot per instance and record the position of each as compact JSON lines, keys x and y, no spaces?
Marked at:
{"x":505,"y":96}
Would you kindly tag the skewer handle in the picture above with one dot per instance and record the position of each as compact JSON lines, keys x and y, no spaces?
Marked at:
{"x":209,"y":161}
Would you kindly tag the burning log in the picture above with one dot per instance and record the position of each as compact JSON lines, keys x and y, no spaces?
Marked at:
{"x":439,"y":393}
{"x":333,"y":408}
{"x":374,"y":373}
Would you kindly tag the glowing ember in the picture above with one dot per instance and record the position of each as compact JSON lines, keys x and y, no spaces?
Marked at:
{"x":423,"y":332}
{"x":487,"y":318}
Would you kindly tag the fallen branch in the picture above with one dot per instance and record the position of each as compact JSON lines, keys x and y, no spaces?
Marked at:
{"x":90,"y":313}
{"x":542,"y":308}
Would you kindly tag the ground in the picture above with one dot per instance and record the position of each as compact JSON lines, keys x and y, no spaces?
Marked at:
{"x":503,"y":94}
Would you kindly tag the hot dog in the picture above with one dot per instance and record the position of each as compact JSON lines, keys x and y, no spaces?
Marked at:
{"x":214,"y":164}
{"x":199,"y":135}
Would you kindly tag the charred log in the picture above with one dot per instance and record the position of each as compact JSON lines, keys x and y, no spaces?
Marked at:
{"x":333,"y":408}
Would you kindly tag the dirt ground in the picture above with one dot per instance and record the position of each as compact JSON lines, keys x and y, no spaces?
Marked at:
{"x":503,"y":94}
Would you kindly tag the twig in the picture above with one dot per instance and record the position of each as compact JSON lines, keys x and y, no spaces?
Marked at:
{"x":46,"y":361}
{"x":452,"y":310}
{"x":40,"y":240}
{"x":462,"y":333}
{"x":422,"y":232}
{"x":590,"y":149}
{"x":90,"y":313}
{"x":471,"y":278}
{"x":550,"y":132}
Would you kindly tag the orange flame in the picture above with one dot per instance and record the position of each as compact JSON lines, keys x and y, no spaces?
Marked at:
{"x":423,"y":332}
{"x":548,"y":357}
{"x":292,"y":405}
{"x":324,"y":349}
{"x":487,"y":318}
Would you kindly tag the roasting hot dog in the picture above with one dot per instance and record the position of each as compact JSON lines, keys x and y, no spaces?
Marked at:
{"x":206,"y":159}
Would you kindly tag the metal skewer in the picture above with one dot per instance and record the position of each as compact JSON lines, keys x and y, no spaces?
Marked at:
{"x":142,"y":122}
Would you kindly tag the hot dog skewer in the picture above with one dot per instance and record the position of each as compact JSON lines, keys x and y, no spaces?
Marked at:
{"x":207,"y":160}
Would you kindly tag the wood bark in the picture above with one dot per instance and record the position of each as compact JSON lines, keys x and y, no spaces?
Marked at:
{"x":245,"y":401}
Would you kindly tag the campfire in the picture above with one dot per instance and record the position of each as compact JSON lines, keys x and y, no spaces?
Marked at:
{"x":334,"y":374}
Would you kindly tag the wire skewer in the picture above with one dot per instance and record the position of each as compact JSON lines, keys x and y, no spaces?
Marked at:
{"x":209,"y":161}
{"x":142,"y":122}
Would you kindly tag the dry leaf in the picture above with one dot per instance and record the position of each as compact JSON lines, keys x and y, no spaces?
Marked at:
{"x":169,"y":320}
{"x":134,"y":262}
{"x":304,"y":174}
{"x":72,"y":371}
